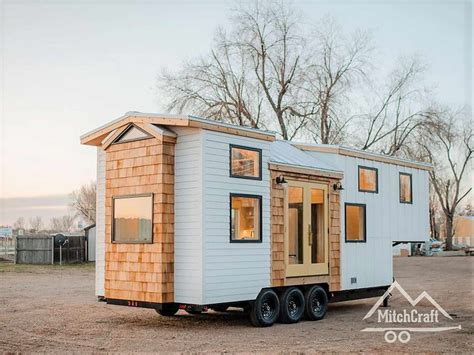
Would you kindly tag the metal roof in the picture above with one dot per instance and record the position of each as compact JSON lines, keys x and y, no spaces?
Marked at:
{"x":363,"y":154}
{"x":282,"y":152}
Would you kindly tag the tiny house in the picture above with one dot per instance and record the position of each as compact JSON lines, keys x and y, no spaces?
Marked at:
{"x":198,"y":214}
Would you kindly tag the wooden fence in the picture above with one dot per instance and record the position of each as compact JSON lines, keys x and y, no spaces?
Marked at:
{"x":43,"y":250}
{"x":34,"y":250}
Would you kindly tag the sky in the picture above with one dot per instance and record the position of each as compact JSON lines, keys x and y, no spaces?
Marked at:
{"x":68,"y":67}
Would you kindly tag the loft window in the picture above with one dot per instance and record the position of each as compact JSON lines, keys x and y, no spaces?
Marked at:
{"x":355,"y":222}
{"x":368,"y":179}
{"x":245,"y":218}
{"x":132,"y":219}
{"x":132,"y":133}
{"x":406,"y":190}
{"x":245,"y":162}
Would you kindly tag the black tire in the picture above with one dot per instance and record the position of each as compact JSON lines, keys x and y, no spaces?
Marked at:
{"x":316,"y":300}
{"x":168,"y":310}
{"x":220,"y":308}
{"x":292,"y":305}
{"x":265,"y":309}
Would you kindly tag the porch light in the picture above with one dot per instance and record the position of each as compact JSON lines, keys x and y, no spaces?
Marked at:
{"x":280,"y":180}
{"x":337,"y":186}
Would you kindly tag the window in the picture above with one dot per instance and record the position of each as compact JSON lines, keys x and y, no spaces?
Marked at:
{"x":245,"y":162}
{"x":355,"y":222}
{"x":406,"y":193}
{"x":295,"y":224}
{"x":245,"y":218}
{"x":368,"y":179}
{"x":132,"y":219}
{"x":132,"y":133}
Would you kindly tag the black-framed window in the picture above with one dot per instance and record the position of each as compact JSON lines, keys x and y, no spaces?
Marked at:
{"x":368,"y":179}
{"x":355,"y":222}
{"x":245,"y":218}
{"x":245,"y":162}
{"x":132,"y":219}
{"x":405,"y":188}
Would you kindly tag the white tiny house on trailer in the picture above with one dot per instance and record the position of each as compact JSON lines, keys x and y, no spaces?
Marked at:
{"x":199,"y":214}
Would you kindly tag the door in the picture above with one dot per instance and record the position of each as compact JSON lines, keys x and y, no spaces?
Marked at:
{"x":306,"y":229}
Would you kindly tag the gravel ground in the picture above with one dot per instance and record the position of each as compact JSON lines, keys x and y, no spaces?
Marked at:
{"x":53,"y":309}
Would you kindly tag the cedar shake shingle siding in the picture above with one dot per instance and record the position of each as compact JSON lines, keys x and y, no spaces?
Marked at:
{"x":141,"y":272}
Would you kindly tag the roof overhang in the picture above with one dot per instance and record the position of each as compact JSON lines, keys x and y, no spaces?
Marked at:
{"x":362,"y":154}
{"x":305,"y":170}
{"x":97,"y":136}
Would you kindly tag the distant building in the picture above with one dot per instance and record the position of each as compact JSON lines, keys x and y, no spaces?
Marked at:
{"x":6,"y":232}
{"x":463,"y":230}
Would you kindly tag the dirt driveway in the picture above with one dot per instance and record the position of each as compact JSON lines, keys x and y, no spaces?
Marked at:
{"x":53,"y":309}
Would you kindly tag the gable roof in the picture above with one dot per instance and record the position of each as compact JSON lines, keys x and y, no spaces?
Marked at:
{"x":96,"y":136}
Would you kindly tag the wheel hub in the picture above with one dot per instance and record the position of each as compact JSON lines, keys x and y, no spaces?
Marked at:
{"x":292,"y":307}
{"x":267,"y":310}
{"x":316,"y":303}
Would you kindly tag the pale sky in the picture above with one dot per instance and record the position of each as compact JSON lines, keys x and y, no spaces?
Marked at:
{"x":70,"y":66}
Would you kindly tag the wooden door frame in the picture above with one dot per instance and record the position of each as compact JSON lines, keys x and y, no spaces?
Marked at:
{"x":307,"y":268}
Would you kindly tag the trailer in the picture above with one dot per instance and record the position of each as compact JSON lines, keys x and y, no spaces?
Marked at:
{"x":196,"y":214}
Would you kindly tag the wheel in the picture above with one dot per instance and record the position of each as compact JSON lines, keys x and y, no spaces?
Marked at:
{"x":168,"y":310}
{"x":292,"y":305}
{"x":220,"y":308}
{"x":265,"y":309}
{"x":316,"y":301}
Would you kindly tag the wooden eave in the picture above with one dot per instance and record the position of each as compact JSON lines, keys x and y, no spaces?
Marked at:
{"x":97,"y":136}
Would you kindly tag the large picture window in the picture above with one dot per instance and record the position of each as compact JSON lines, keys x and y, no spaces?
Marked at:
{"x":406,"y":192}
{"x":245,"y":218}
{"x":355,"y":222}
{"x":132,"y":219}
{"x":368,"y":179}
{"x":245,"y":163}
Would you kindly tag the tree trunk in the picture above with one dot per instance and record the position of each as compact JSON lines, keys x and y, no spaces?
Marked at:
{"x":449,"y":232}
{"x":433,"y":230}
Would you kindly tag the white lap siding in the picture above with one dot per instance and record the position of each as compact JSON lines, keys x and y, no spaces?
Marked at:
{"x":100,"y":225}
{"x":388,"y":220}
{"x":188,"y":216}
{"x":232,"y":271}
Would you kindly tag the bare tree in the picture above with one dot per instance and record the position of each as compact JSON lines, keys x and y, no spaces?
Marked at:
{"x":269,"y":71}
{"x":61,"y":224}
{"x":252,"y":76}
{"x":434,"y":212}
{"x":36,"y":223}
{"x":270,"y":34}
{"x":219,"y":87}
{"x":84,"y":202}
{"x":448,"y":145}
{"x":394,"y":119}
{"x":338,"y":64}
{"x":20,"y":223}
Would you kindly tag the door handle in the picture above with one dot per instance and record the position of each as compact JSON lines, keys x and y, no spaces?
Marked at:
{"x":310,"y":239}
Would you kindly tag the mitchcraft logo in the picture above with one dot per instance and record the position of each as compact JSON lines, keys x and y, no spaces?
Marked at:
{"x":402,"y":323}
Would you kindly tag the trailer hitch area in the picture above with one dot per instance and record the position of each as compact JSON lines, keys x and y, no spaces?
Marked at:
{"x":193,"y":309}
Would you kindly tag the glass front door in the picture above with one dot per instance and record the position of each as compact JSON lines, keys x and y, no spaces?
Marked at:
{"x":306,"y":237}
